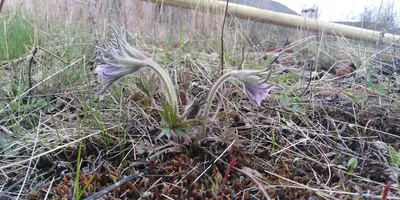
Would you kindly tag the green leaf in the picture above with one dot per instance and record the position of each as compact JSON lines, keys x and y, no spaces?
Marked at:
{"x":165,"y":115}
{"x":218,"y":178}
{"x":39,"y":102}
{"x":4,"y":144}
{"x":394,"y":156}
{"x":376,"y":87}
{"x":21,"y":90}
{"x":352,"y":164}
{"x":180,"y":131}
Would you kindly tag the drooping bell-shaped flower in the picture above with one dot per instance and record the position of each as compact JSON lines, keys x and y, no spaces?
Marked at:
{"x":258,"y":93}
{"x":254,"y":82}
{"x":117,"y":59}
{"x":110,"y":74}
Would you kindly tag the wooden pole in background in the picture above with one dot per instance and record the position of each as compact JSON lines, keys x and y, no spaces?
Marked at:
{"x":281,"y":19}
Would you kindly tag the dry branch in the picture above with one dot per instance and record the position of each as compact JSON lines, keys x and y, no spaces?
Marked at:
{"x":1,"y":4}
{"x":111,"y":187}
{"x":281,"y":19}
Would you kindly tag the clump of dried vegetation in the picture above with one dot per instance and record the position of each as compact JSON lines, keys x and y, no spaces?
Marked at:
{"x":330,"y":129}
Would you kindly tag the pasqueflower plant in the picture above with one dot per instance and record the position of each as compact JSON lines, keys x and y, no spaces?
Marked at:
{"x":117,"y":59}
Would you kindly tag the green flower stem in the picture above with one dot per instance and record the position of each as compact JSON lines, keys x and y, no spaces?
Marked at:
{"x":211,"y":95}
{"x":167,"y":82}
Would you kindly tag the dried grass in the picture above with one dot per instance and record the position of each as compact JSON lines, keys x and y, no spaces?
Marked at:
{"x":296,"y":146}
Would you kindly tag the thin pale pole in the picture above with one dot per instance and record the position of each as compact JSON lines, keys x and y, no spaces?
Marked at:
{"x":281,"y":19}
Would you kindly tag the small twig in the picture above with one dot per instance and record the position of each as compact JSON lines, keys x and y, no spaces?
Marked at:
{"x":49,"y":52}
{"x":111,"y":187}
{"x":30,"y":67}
{"x":222,"y":39}
{"x":16,"y":184}
{"x":48,"y":190}
{"x":216,"y":159}
{"x":256,"y":182}
{"x":308,"y":85}
{"x":270,"y":65}
{"x":1,"y":4}
{"x":241,"y":62}
{"x":244,"y":172}
{"x":28,"y":171}
{"x":287,"y":43}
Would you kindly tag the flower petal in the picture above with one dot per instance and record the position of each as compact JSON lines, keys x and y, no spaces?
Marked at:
{"x":258,"y":93}
{"x":116,"y":58}
{"x":110,"y":74}
{"x":108,"y":71}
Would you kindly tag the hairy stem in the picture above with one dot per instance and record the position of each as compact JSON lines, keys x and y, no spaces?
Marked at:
{"x":211,"y":95}
{"x":167,"y":82}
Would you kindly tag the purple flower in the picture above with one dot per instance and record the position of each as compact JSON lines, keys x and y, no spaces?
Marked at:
{"x":255,"y":85}
{"x":110,"y":74}
{"x":258,"y":93}
{"x":116,"y":59}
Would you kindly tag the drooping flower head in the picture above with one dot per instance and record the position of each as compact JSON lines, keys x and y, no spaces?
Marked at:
{"x":255,"y":84}
{"x":116,"y":59}
{"x":255,"y":81}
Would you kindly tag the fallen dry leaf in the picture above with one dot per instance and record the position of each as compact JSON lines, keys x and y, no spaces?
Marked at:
{"x":345,"y":68}
{"x":253,"y":172}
